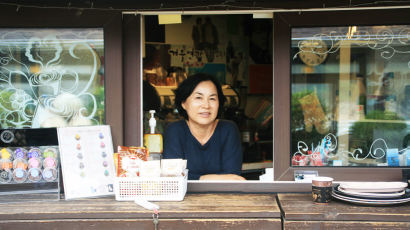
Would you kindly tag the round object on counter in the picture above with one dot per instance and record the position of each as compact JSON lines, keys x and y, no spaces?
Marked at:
{"x":50,"y":162}
{"x":5,"y":176}
{"x":50,"y":174}
{"x":19,"y":175}
{"x":6,"y":154}
{"x":6,"y":164}
{"x":20,"y":153}
{"x":34,"y":175}
{"x":50,"y":152}
{"x":20,"y":163}
{"x":34,"y":162}
{"x":34,"y":152}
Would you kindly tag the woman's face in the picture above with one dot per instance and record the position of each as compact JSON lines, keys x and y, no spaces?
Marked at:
{"x":203,"y":104}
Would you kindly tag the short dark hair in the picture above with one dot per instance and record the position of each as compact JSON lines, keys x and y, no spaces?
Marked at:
{"x":186,"y":88}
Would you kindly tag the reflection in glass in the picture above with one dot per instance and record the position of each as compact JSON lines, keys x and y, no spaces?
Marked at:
{"x":350,"y":96}
{"x":51,"y":77}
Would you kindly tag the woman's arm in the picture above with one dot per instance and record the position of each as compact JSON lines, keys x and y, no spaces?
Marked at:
{"x":221,"y":177}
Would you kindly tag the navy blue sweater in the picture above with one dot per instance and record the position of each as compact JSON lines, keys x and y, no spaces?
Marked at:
{"x":222,"y":154}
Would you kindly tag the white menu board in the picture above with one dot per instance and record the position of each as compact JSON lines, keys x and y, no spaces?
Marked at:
{"x":87,"y":163}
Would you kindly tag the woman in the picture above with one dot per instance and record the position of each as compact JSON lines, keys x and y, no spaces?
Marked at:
{"x":211,"y":146}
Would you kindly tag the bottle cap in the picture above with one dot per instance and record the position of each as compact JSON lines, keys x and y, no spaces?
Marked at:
{"x":152,"y":121}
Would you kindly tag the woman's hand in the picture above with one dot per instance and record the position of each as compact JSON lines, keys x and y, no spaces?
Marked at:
{"x":221,"y":177}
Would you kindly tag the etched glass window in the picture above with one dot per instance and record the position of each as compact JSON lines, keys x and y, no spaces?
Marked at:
{"x":51,"y":77}
{"x":350,"y":96}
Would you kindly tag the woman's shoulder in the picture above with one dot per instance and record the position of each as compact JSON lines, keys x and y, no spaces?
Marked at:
{"x":227,"y":125}
{"x":176,"y":125}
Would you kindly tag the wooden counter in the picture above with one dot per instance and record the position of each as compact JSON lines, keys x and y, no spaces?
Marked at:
{"x":204,"y":211}
{"x":197,"y":211}
{"x":299,"y":212}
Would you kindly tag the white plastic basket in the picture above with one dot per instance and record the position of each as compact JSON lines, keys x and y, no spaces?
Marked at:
{"x":151,"y":188}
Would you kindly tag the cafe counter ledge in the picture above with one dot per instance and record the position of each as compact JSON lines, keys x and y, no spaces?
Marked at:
{"x":196,"y":211}
{"x":205,"y":211}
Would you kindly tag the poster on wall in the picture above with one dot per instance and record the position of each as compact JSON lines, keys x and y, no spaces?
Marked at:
{"x":216,"y":45}
{"x":87,"y":162}
{"x":205,"y":43}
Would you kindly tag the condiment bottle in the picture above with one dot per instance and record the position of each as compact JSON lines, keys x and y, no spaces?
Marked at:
{"x":153,"y":141}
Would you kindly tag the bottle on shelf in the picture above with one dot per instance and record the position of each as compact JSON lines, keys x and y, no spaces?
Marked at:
{"x":152,"y":140}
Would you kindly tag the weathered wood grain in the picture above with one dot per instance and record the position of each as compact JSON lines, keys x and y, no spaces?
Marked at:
{"x":348,"y":225}
{"x":125,"y":224}
{"x":193,"y":206}
{"x":299,"y":207}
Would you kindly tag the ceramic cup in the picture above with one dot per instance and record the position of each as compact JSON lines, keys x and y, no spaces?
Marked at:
{"x":322,"y":189}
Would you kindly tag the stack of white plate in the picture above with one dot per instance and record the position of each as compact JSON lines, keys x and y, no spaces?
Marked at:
{"x":372,"y":193}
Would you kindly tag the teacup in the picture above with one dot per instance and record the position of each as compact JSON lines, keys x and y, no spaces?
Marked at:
{"x":322,"y":189}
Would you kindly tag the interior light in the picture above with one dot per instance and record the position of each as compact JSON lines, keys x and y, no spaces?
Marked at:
{"x":169,"y":18}
{"x":263,"y":15}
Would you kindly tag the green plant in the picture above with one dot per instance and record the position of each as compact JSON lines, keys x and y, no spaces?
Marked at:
{"x":361,"y":132}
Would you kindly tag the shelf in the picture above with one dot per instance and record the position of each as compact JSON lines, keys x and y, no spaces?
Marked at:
{"x":265,"y":142}
{"x":257,"y":165}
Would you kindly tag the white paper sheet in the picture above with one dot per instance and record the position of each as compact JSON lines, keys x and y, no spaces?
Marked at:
{"x":87,"y":162}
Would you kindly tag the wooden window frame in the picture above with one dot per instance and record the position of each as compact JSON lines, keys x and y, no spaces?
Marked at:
{"x":122,"y":45}
{"x":283,"y":22}
{"x":110,"y":21}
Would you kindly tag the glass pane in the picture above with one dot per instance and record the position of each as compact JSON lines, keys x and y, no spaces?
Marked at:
{"x":51,"y":77}
{"x":350,"y":96}
{"x":237,"y":50}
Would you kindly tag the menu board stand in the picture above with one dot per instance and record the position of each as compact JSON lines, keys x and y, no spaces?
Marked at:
{"x":87,"y":161}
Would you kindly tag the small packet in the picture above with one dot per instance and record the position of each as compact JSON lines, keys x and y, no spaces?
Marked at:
{"x":150,"y":169}
{"x":139,"y":152}
{"x":129,"y":160}
{"x":173,"y":167}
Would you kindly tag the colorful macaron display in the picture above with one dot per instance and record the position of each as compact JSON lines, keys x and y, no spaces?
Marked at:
{"x":28,"y":164}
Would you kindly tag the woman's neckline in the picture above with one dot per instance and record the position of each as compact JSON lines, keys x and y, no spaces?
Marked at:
{"x":208,"y":137}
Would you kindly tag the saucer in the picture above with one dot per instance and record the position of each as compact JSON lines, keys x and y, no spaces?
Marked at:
{"x":373,"y":186}
{"x":375,"y":200}
{"x":371,"y":194}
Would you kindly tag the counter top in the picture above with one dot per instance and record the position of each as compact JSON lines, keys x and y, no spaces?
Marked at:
{"x":196,"y":211}
{"x":204,"y":211}
{"x":194,"y":205}
{"x":300,"y":212}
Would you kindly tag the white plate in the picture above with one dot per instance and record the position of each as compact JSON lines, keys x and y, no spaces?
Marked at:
{"x":370,"y":201}
{"x":373,"y":186}
{"x":371,"y":195}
